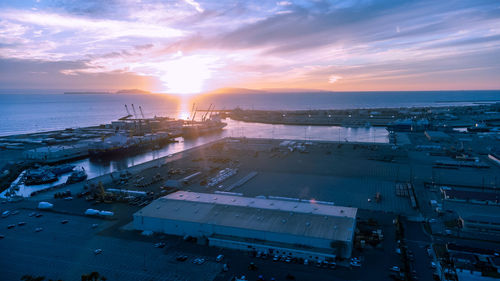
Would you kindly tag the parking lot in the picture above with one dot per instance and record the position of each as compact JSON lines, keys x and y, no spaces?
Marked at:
{"x":66,"y":251}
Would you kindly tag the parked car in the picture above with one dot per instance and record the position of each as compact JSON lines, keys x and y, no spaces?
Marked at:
{"x":159,"y":245}
{"x":64,"y":221}
{"x":355,"y":264}
{"x":21,"y":223}
{"x":11,"y":226}
{"x":225,"y":268}
{"x":38,"y":229}
{"x":181,"y":258}
{"x":37,"y":215}
{"x":395,"y":269}
{"x":97,"y":251}
{"x":219,"y":258}
{"x":199,"y":261}
{"x":276,"y":258}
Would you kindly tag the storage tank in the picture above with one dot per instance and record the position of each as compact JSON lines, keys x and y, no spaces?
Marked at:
{"x":45,"y":205}
{"x":91,"y":212}
{"x":106,"y":213}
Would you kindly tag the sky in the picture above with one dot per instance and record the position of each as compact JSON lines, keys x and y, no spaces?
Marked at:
{"x":192,"y":46}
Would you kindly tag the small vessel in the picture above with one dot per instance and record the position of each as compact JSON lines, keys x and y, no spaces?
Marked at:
{"x":479,"y":127}
{"x":61,"y":169}
{"x":120,"y":144}
{"x":195,"y":129}
{"x":408,"y":125}
{"x":39,"y":176}
{"x":77,"y":176}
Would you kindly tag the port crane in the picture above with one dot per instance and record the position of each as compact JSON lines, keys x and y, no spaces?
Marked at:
{"x":206,"y":113}
{"x":194,"y":114}
{"x":133,"y":109}
{"x":128,"y":114}
{"x":192,"y":110}
{"x":142,"y":114}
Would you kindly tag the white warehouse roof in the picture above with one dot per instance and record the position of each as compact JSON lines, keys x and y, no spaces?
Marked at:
{"x":295,"y":217}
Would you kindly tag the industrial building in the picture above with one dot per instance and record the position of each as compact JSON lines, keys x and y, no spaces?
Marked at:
{"x":437,"y":136}
{"x":278,"y":226}
{"x":483,"y":223}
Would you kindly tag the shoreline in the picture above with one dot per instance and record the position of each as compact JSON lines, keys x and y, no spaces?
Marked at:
{"x":339,"y":112}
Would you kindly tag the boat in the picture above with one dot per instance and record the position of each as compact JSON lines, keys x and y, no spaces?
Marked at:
{"x":61,"y":169}
{"x":478,"y":128}
{"x":193,"y":130}
{"x":77,"y":176}
{"x":120,"y":144}
{"x":39,"y":176}
{"x":408,"y":125}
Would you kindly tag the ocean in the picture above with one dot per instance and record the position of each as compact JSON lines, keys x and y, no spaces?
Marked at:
{"x":37,"y":112}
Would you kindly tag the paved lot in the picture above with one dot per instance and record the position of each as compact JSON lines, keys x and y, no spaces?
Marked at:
{"x":343,"y":191}
{"x":66,"y":252}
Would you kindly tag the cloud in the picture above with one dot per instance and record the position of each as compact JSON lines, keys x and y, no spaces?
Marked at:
{"x":195,"y":4}
{"x":267,"y":43}
{"x":102,"y":28}
{"x":333,"y":78}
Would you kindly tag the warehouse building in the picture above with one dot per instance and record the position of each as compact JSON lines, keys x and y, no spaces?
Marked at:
{"x":479,"y":222}
{"x":278,"y":226}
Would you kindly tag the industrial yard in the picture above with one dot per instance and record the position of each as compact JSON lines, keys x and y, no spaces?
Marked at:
{"x":414,"y":198}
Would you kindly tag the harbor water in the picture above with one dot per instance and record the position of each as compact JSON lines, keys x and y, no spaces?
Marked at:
{"x":95,"y":168}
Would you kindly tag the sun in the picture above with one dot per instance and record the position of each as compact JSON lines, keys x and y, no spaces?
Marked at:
{"x":186,"y":75}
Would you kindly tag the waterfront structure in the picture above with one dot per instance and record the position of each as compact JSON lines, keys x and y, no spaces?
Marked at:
{"x":278,"y":226}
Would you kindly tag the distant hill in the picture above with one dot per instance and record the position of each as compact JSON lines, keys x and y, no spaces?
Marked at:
{"x":292,"y":90}
{"x":132,"y":91}
{"x":87,"y":93}
{"x":234,"y":91}
{"x":262,"y":91}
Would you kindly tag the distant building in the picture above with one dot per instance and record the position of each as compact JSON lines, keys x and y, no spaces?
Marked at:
{"x":484,"y":223}
{"x":292,"y":227}
{"x":437,"y":136}
{"x":473,"y":197}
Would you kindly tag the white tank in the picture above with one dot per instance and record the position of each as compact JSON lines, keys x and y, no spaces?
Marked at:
{"x":91,"y":212}
{"x":106,"y":213}
{"x":45,"y":205}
